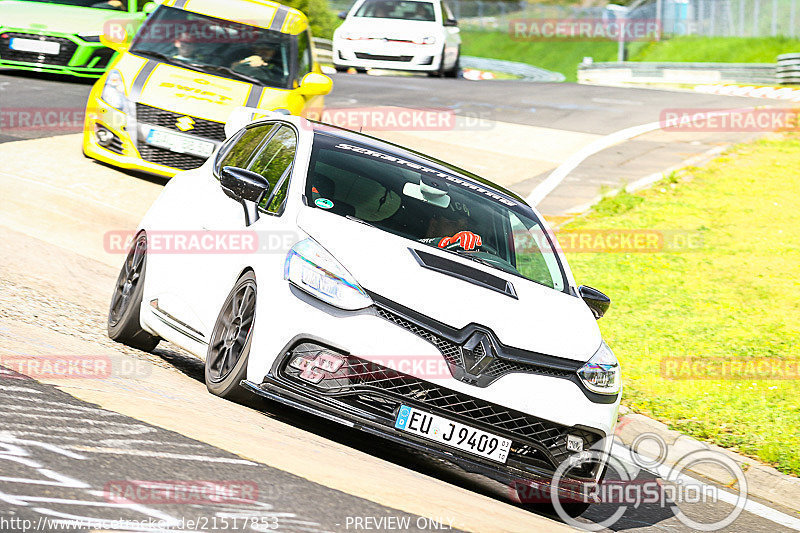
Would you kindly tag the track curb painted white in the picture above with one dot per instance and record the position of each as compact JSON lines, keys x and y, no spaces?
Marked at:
{"x":555,"y":178}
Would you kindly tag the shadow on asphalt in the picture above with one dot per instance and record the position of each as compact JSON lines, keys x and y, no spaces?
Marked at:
{"x":643,"y":516}
{"x":47,"y":76}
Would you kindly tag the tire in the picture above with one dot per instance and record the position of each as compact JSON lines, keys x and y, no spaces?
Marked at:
{"x":454,"y":72}
{"x":340,"y":69}
{"x":439,"y":72}
{"x":229,"y":346}
{"x":123,"y":312}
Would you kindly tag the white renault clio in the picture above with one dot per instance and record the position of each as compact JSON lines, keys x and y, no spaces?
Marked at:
{"x":380,"y":288}
{"x":418,"y":35}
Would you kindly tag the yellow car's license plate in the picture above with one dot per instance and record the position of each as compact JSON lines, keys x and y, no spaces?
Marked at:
{"x":183,"y":144}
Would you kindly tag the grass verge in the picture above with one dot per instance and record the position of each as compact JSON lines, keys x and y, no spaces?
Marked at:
{"x":734,"y":297}
{"x":565,"y":56}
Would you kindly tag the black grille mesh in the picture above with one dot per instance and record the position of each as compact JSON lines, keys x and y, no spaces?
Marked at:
{"x":376,"y":57}
{"x":207,"y":129}
{"x":63,"y":57}
{"x":359,"y":375}
{"x":452,"y":352}
{"x":169,"y":158}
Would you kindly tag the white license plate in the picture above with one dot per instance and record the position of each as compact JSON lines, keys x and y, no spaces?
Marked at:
{"x":454,"y":434}
{"x":182,"y":144}
{"x":33,"y":45}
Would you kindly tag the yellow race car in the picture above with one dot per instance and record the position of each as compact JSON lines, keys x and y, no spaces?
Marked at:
{"x":162,"y":105}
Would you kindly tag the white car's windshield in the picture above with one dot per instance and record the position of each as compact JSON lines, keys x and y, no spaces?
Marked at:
{"x":431,"y":203}
{"x":220,"y":47}
{"x":397,"y":9}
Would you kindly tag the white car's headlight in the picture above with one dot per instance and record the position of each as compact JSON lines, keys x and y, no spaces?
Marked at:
{"x":114,"y":91}
{"x":310,"y":267}
{"x":601,"y":374}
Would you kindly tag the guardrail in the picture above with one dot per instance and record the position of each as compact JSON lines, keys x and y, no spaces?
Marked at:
{"x":788,"y":70}
{"x":324,"y":48}
{"x":646,"y":72}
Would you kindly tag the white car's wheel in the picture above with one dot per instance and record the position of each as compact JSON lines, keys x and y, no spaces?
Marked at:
{"x":229,"y":347}
{"x":123,"y":313}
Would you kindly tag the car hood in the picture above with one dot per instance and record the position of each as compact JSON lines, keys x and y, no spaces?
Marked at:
{"x":541,"y":319}
{"x":42,"y":17}
{"x":194,"y":93}
{"x":391,"y":28}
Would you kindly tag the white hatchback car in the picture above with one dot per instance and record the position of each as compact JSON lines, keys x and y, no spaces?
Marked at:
{"x":418,"y":35}
{"x":376,"y":287}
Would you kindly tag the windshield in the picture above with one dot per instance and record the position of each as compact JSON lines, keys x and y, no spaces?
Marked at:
{"x":397,"y":9}
{"x":120,"y":5}
{"x":223,"y":48}
{"x":431,"y":204}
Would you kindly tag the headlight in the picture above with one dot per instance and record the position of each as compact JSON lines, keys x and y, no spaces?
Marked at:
{"x":114,"y":91}
{"x":601,"y":374}
{"x":314,"y":270}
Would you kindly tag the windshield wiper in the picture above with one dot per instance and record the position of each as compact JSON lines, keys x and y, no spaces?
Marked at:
{"x":229,"y":71}
{"x":356,"y":219}
{"x":154,"y":55}
{"x":499,"y":264}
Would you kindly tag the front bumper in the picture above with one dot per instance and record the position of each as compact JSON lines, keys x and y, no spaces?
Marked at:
{"x":380,"y":55}
{"x":367,"y":396}
{"x":128,"y":148}
{"x":76,"y":57}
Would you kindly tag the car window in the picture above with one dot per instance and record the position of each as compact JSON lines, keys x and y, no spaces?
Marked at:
{"x":274,"y":162}
{"x":245,"y":145}
{"x":304,"y":55}
{"x":430,"y":203}
{"x":397,"y":9}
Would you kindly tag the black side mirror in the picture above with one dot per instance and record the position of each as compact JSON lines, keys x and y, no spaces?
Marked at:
{"x":450,"y":22}
{"x":342,"y":15}
{"x":596,"y":300}
{"x":244,"y":186}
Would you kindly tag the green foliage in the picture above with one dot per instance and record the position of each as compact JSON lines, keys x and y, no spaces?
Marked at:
{"x":319,"y":15}
{"x":733,"y":296}
{"x":565,"y":56}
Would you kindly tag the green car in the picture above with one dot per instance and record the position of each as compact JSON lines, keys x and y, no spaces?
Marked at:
{"x":63,"y":36}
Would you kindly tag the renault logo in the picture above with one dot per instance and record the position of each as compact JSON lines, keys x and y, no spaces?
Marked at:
{"x":477,"y":353}
{"x":185,"y":123}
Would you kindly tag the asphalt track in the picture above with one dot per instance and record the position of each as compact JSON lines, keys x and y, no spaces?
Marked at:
{"x":66,"y":445}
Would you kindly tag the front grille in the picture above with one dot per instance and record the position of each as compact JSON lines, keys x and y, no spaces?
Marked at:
{"x":63,"y":57}
{"x":452,"y":352}
{"x":207,"y":129}
{"x":377,"y":57}
{"x":103,"y":56}
{"x":383,"y":389}
{"x":168,"y":158}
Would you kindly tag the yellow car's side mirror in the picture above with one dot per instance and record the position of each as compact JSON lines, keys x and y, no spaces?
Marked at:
{"x":315,"y":84}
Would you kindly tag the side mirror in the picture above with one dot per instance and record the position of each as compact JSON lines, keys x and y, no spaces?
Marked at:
{"x":596,"y":300}
{"x":244,"y":186}
{"x":115,"y":36}
{"x":342,"y":15}
{"x":450,"y":22}
{"x":314,"y":84}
